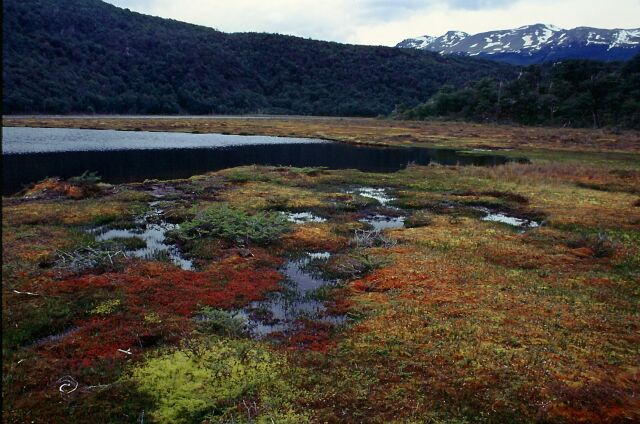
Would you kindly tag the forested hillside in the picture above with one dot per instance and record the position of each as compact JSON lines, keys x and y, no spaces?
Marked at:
{"x":572,"y":93}
{"x":62,"y":56}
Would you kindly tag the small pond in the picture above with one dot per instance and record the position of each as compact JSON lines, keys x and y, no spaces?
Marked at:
{"x":31,"y":154}
{"x":152,"y":231}
{"x":300,"y":298}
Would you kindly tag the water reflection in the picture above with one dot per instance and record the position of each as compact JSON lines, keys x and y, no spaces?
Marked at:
{"x":153,"y":231}
{"x":298,"y":299}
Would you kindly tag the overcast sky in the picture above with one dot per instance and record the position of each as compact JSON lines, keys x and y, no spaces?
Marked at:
{"x":388,"y":22}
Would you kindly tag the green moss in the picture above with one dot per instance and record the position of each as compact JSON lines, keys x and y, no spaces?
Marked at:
{"x":208,"y":381}
{"x":106,"y":308}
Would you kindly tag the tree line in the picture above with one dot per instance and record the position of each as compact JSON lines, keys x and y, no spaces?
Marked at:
{"x":577,"y":93}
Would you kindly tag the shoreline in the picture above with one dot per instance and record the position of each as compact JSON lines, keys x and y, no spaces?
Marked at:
{"x":365,"y":131}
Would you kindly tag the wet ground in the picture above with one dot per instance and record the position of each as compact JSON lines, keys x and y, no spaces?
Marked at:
{"x":303,"y":291}
{"x":151,"y":228}
{"x":301,"y":298}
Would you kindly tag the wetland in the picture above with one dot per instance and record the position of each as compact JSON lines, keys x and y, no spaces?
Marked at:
{"x":387,"y":284}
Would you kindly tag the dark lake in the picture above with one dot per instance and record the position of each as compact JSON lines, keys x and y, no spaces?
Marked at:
{"x":31,"y":154}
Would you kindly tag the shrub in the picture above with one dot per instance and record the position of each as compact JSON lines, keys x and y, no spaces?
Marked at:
{"x":217,"y":321}
{"x":371,"y":238}
{"x":86,"y":179}
{"x":89,"y":257}
{"x":236,"y":225}
{"x":310,"y":170}
{"x":80,"y":187}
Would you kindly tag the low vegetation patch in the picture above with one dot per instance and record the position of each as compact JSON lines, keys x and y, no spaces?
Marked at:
{"x":419,"y":219}
{"x":217,"y":321}
{"x":219,"y":380}
{"x":235,"y":225}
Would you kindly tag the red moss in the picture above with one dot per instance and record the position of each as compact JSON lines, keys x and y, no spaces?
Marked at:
{"x":386,"y":279}
{"x":583,"y":252}
{"x":54,"y":187}
{"x":172,"y":294}
{"x":312,"y":335}
{"x":98,"y":338}
{"x":340,"y":304}
{"x":605,"y":401}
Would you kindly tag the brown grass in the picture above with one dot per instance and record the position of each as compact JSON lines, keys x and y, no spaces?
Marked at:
{"x":366,"y":131}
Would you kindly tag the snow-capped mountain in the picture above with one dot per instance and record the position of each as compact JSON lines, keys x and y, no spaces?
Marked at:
{"x":535,"y":44}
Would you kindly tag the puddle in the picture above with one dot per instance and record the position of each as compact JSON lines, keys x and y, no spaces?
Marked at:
{"x":381,"y":222}
{"x":281,"y":311}
{"x":379,"y":194}
{"x":508,"y":219}
{"x":302,"y":217}
{"x":152,"y":231}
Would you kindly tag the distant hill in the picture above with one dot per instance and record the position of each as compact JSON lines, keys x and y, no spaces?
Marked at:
{"x":89,"y":56}
{"x":533,"y":44}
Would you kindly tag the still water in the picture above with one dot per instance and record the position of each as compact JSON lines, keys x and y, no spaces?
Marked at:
{"x":31,"y":154}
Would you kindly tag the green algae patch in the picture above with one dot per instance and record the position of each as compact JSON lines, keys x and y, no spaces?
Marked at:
{"x":220,"y":380}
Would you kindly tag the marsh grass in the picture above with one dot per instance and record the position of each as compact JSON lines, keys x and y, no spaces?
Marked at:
{"x":355,"y":264}
{"x":124,"y":243}
{"x":601,"y":243}
{"x":419,"y":218}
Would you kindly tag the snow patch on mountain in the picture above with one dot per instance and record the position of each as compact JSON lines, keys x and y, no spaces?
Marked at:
{"x":535,"y":43}
{"x":624,"y":37}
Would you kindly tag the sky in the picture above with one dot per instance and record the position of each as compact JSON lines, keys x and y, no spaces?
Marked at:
{"x":380,"y":22}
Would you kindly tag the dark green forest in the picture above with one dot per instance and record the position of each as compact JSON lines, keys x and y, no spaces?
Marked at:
{"x":573,"y":93}
{"x":86,"y":56}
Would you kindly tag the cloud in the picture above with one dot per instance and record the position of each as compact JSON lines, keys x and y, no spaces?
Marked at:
{"x":477,"y":4}
{"x":384,"y":9}
{"x":387,"y":22}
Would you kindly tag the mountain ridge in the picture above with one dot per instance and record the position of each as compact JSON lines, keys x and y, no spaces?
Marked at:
{"x":531,"y":44}
{"x":86,"y":56}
